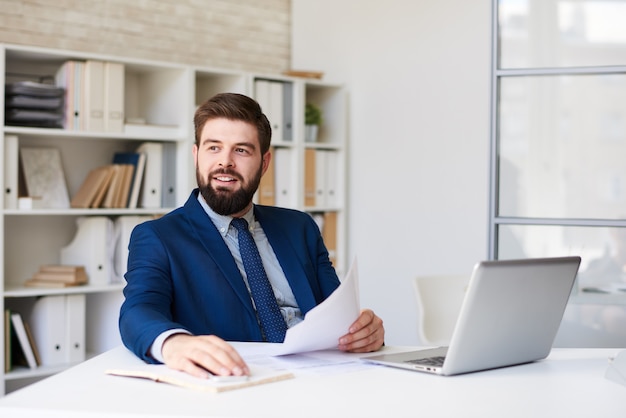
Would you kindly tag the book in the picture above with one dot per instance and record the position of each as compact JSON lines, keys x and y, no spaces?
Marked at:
{"x":103,"y":187}
{"x":92,"y":188}
{"x":329,"y":234}
{"x":135,"y":188}
{"x":121,"y":199}
{"x":150,"y":195}
{"x":48,"y":284}
{"x":44,"y":177}
{"x":138,"y":161}
{"x":62,"y":268}
{"x":31,"y":340}
{"x":110,"y":198}
{"x":7,"y":341}
{"x":160,"y":373}
{"x":57,"y":274}
{"x":266,"y":192}
{"x":310,"y":165}
{"x":60,"y":277}
{"x":22,"y":336}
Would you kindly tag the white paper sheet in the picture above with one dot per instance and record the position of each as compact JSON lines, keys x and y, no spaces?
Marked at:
{"x":323,"y":325}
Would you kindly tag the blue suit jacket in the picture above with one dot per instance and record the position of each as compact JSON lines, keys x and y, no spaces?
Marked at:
{"x":181,"y":274}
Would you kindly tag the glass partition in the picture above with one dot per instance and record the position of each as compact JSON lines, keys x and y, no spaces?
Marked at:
{"x":561,"y":33}
{"x":562,"y":146}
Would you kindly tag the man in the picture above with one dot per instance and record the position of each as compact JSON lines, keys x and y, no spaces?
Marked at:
{"x":188,"y":286}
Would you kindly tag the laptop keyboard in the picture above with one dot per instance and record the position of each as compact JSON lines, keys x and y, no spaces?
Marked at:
{"x":429,"y":361}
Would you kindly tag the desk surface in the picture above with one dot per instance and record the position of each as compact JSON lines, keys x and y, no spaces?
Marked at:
{"x":570,"y":382}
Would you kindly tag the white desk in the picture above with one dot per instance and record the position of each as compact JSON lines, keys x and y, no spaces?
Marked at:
{"x":570,"y":383}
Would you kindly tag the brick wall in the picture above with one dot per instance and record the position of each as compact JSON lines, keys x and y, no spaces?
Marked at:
{"x":251,"y":35}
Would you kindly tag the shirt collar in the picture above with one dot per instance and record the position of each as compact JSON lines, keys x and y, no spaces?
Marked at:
{"x":222,"y":222}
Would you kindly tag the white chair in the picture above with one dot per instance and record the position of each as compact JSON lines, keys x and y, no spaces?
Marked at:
{"x":439,"y":300}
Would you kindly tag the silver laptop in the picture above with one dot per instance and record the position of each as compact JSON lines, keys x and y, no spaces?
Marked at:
{"x":510,"y":315}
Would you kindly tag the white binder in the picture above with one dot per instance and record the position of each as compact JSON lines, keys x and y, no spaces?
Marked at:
{"x":48,"y":325}
{"x":93,"y":114}
{"x":58,"y":326}
{"x":269,"y":95}
{"x":75,"y":327}
{"x":150,"y":195}
{"x":275,"y":111}
{"x":168,"y":176}
{"x":284,"y":187}
{"x":333,"y":181}
{"x":92,"y":247}
{"x":124,"y":226}
{"x":113,"y":97}
{"x":11,"y":163}
{"x":321,"y":179}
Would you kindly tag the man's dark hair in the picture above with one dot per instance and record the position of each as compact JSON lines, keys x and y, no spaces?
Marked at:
{"x":234,"y":106}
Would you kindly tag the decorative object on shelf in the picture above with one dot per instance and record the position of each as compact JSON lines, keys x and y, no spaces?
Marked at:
{"x":44,"y":177}
{"x":312,"y":120}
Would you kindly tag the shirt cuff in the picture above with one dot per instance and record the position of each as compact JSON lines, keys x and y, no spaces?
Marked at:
{"x":157,"y":345}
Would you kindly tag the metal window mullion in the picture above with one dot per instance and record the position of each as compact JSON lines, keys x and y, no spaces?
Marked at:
{"x":520,"y":72}
{"x":609,"y":223}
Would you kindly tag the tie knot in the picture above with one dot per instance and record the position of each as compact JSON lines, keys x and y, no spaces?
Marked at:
{"x":240,"y":224}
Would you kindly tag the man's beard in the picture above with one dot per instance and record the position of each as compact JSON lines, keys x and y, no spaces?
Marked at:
{"x":225,"y":201}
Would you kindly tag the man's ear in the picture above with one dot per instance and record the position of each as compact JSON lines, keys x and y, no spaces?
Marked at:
{"x":267,"y":157}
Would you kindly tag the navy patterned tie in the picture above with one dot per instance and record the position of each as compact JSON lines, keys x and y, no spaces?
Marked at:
{"x":272,"y":322}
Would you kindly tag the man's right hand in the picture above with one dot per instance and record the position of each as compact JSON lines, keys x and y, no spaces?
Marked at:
{"x":200,"y":355}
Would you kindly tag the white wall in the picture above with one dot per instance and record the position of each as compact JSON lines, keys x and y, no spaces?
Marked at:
{"x":418,"y":75}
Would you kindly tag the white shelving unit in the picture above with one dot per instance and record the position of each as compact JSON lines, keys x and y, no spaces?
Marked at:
{"x":309,"y":176}
{"x":164,"y":95}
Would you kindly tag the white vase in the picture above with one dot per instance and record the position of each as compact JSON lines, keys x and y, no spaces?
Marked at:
{"x":310,"y":133}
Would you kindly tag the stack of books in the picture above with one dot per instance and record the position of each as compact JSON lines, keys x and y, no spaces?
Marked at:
{"x":115,"y":185}
{"x":58,"y":276}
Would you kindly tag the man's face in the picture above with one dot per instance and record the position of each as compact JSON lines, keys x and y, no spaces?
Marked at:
{"x":229,"y":165}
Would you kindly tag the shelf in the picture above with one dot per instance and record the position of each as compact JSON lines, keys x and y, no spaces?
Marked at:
{"x":139,"y":133}
{"x":22,"y":292}
{"x":21,"y":372}
{"x":86,"y":212}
